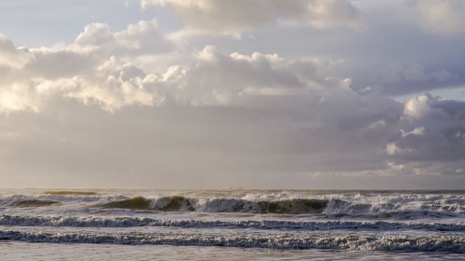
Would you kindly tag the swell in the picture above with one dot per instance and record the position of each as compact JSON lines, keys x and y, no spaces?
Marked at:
{"x":451,"y":244}
{"x":92,"y":221}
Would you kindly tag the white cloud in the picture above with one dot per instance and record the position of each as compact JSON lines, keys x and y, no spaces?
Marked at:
{"x":417,"y":107}
{"x":90,"y":70}
{"x":113,"y":87}
{"x":141,"y":38}
{"x":416,"y":131}
{"x":19,"y":96}
{"x":12,"y":57}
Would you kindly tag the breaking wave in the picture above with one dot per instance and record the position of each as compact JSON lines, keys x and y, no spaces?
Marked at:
{"x":180,"y":203}
{"x":451,"y":244}
{"x":92,"y":221}
{"x":408,"y":206}
{"x":395,"y":207}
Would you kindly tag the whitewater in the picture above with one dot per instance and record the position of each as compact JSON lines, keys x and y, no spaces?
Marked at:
{"x":139,"y":224}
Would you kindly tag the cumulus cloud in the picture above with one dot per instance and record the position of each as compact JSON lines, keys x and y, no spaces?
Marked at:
{"x":93,"y":69}
{"x":228,"y":17}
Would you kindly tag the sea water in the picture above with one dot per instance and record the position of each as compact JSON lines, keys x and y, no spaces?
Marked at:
{"x":111,"y":224}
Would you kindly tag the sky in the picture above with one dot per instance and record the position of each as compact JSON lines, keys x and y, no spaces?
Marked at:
{"x":300,"y":94}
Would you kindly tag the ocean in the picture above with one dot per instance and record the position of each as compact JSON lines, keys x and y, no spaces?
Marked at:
{"x":117,"y":224}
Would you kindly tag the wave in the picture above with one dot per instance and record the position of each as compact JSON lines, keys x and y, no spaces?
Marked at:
{"x":133,"y":203}
{"x":321,"y":225}
{"x":289,"y":206}
{"x":173,"y":203}
{"x":451,"y":244}
{"x":69,"y":192}
{"x":180,"y":203}
{"x":397,"y":208}
{"x":343,"y":205}
{"x":31,"y":203}
{"x":329,"y":208}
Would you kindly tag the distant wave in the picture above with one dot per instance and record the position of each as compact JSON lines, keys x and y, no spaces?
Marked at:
{"x":92,"y":221}
{"x":70,"y":192}
{"x":451,"y":244}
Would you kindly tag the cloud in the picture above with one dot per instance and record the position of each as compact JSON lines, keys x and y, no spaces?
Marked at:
{"x":226,"y":17}
{"x":217,"y":77}
{"x":300,"y":97}
{"x":10,"y":56}
{"x":95,"y":74}
{"x":431,"y":134}
{"x":96,"y":68}
{"x":443,"y":18}
{"x":18,"y":96}
{"x":301,"y":112}
{"x":265,"y":107}
{"x":142,"y":38}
